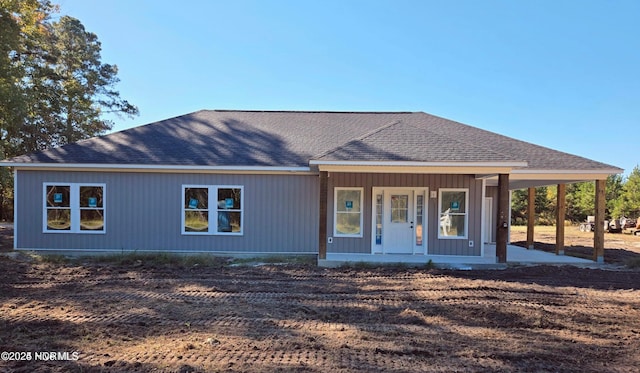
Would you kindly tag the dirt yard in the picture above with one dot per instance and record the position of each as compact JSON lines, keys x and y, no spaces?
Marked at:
{"x":144,"y":315}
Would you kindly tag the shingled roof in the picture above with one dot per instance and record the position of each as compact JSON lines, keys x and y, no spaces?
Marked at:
{"x":293,"y":139}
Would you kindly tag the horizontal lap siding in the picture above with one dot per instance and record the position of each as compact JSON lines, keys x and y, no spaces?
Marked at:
{"x":143,"y":212}
{"x":433,"y":182}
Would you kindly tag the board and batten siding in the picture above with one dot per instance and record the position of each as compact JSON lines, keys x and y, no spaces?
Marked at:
{"x":435,"y":246}
{"x":143,"y":213}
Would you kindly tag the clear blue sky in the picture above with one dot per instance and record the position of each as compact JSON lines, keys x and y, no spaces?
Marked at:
{"x":562,"y":74}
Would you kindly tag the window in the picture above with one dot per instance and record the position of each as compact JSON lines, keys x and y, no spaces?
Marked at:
{"x":212,"y":209}
{"x":74,"y":208}
{"x":453,"y":211}
{"x":348,"y":212}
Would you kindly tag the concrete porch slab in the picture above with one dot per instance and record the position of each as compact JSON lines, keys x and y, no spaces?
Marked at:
{"x":520,"y":255}
{"x":515,"y":255}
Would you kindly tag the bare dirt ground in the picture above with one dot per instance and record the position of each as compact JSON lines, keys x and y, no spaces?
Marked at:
{"x":620,"y":248}
{"x":146,"y":316}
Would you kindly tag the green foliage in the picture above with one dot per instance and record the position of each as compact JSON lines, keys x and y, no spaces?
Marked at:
{"x":545,"y":206}
{"x":629,"y":204}
{"x":622,"y":199}
{"x":159,"y":260}
{"x":54,"y":88}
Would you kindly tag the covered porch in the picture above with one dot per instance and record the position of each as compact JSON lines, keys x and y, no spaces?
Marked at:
{"x":516,"y":256}
{"x":530,"y":180}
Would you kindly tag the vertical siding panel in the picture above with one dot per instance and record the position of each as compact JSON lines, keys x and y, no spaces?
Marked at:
{"x":143,"y":212}
{"x":281,"y":212}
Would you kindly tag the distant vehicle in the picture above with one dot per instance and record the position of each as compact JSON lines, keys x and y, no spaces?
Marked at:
{"x":611,"y":226}
{"x":632,"y":225}
{"x":626,"y":223}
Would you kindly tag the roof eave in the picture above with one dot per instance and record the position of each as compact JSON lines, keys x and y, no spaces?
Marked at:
{"x":154,"y":168}
{"x":526,"y":178}
{"x":449,"y":167}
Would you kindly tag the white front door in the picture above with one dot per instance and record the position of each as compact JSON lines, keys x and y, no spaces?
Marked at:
{"x":399,"y":225}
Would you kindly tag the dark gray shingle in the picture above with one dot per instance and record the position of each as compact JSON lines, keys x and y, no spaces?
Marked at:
{"x":292,"y":139}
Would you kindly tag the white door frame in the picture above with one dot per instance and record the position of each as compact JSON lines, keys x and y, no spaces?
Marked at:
{"x":489,"y":231}
{"x":378,"y":248}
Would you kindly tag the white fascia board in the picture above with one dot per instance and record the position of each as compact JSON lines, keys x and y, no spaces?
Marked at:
{"x":418,"y":167}
{"x":419,"y":163}
{"x":528,"y":174}
{"x":156,"y":168}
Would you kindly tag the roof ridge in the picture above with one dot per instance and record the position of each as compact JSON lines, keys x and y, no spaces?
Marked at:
{"x":361,"y":137}
{"x":312,"y":111}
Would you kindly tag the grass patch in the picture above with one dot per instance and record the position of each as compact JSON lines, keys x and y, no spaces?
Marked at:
{"x":159,"y":260}
{"x":51,"y":258}
{"x":278,"y":259}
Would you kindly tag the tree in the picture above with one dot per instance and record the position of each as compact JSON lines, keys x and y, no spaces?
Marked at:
{"x":22,"y":22}
{"x":520,"y":200}
{"x":630,"y":201}
{"x":85,"y":84}
{"x":68,"y":89}
{"x":54,"y":88}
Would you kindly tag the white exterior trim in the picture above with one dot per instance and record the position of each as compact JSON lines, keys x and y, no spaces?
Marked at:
{"x":419,"y":163}
{"x":15,"y":208}
{"x":418,"y":167}
{"x":156,"y":168}
{"x":335,"y":212}
{"x":482,"y":221}
{"x":530,"y":171}
{"x":212,"y":211}
{"x":466,"y":213}
{"x":74,"y":208}
{"x":415,"y":249}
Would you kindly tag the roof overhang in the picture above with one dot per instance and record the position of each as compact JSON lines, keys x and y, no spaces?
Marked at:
{"x":157,"y":168}
{"x":525,"y":178}
{"x":417,"y":167}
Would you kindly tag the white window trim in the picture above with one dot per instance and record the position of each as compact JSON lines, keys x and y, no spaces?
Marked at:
{"x":212,"y":203}
{"x":74,"y":206}
{"x":466,"y":213}
{"x":335,"y":212}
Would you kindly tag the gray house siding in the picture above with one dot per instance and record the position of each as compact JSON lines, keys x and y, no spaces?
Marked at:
{"x":435,"y":246}
{"x":143,"y":212}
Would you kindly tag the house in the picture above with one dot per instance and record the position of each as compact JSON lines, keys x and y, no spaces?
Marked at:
{"x":345,"y":186}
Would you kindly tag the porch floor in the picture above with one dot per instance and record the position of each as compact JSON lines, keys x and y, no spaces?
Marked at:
{"x":515,"y":255}
{"x":520,"y":255}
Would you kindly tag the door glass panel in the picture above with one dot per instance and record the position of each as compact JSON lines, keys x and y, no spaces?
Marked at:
{"x":379,"y":219}
{"x":399,"y":208}
{"x":419,"y":213}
